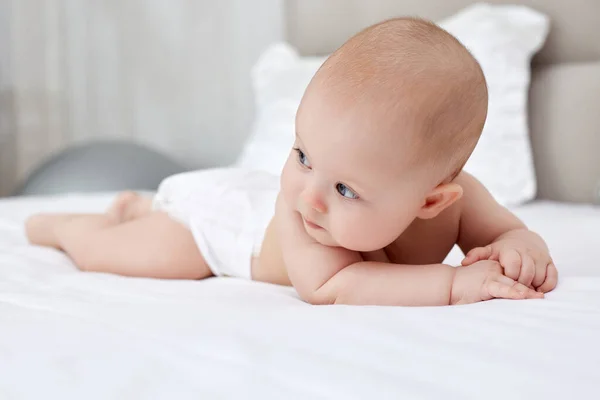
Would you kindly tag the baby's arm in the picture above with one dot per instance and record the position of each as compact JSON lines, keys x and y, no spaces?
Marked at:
{"x":489,"y":231}
{"x":328,"y":275}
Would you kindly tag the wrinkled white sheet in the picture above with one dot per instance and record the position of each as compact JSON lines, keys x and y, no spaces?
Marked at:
{"x":72,"y":335}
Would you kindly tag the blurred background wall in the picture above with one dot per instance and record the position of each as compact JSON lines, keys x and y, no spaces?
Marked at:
{"x":162,"y":73}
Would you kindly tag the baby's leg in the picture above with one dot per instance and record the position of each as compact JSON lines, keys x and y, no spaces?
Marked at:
{"x":126,"y":207}
{"x":41,"y":228}
{"x":153,"y":245}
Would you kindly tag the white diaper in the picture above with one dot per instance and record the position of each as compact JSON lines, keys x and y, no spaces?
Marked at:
{"x":226,"y":209}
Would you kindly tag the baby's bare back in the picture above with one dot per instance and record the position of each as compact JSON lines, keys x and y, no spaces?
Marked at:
{"x":424,"y":242}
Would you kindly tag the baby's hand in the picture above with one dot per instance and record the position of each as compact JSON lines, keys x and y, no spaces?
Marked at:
{"x":484,"y":280}
{"x":530,"y":266}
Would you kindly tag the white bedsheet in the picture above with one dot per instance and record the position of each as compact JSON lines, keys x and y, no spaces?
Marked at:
{"x":71,"y":335}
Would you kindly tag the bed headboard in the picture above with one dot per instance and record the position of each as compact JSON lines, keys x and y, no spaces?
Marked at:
{"x":565,"y":88}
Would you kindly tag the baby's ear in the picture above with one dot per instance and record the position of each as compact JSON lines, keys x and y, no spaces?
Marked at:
{"x":440,"y":198}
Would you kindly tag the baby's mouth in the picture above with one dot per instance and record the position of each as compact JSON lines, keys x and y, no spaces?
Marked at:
{"x":311,"y":224}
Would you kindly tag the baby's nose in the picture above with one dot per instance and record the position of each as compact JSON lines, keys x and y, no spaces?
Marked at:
{"x":314,"y":200}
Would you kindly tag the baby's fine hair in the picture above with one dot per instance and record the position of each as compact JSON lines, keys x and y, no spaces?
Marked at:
{"x":432,"y":82}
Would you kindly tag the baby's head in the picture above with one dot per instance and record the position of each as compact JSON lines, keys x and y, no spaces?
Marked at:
{"x":383,"y":129}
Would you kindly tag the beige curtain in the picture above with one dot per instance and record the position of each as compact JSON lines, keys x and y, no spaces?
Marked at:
{"x":171,"y":74}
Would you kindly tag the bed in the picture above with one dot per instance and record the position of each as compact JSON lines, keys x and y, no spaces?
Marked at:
{"x":74,"y":335}
{"x":101,"y":336}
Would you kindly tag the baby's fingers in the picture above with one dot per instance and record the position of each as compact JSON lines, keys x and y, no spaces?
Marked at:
{"x":477,"y":254}
{"x":527,"y":272}
{"x":506,"y":288}
{"x":551,"y":279}
{"x":511,"y":262}
{"x":541,"y":270}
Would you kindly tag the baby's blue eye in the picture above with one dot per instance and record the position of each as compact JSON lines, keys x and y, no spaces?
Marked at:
{"x":345,"y":191}
{"x":302,"y":158}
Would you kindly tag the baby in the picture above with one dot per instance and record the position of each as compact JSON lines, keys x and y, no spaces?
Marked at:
{"x":369,"y":203}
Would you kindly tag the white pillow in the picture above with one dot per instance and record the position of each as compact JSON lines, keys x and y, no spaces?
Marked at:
{"x":503,"y":38}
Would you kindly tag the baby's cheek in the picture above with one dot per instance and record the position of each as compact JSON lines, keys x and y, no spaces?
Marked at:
{"x":290,"y":184}
{"x":359,"y":233}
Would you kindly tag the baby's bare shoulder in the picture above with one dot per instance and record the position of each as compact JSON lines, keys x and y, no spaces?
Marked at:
{"x":468,"y":182}
{"x":476,"y":200}
{"x":482,"y":218}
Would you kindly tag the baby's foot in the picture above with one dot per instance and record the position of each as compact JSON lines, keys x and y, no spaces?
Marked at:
{"x":41,"y":228}
{"x":125,"y":206}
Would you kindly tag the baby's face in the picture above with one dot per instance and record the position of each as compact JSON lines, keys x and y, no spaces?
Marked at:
{"x":349,"y":178}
